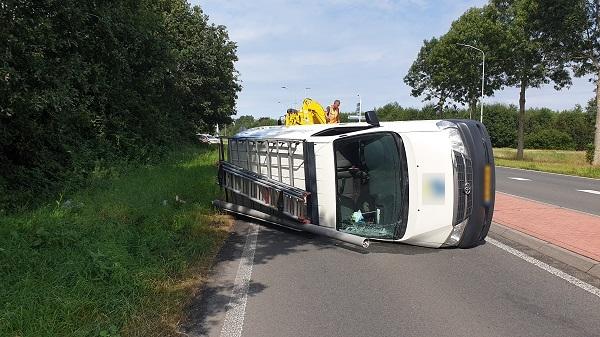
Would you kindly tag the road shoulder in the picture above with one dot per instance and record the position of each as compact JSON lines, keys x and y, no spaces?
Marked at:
{"x":207,"y":310}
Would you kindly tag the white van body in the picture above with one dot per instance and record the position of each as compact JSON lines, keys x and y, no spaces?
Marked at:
{"x":427,"y":183}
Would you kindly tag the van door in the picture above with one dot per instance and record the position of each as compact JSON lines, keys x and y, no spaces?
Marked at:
{"x":371,"y":185}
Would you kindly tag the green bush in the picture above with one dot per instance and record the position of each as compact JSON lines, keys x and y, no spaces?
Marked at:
{"x":589,"y":153}
{"x":577,"y":124}
{"x":84,"y":83}
{"x":501,"y":122}
{"x":537,"y":119}
{"x":550,"y":139}
{"x":544,"y":128}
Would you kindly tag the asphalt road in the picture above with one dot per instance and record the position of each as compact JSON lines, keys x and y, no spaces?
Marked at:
{"x":566,"y":191}
{"x":298,"y":284}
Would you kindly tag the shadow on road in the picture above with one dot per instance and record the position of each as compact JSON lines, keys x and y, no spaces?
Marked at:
{"x":205,"y":312}
{"x":378,"y":247}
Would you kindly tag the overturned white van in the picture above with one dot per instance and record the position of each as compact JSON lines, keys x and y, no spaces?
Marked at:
{"x":428,"y":183}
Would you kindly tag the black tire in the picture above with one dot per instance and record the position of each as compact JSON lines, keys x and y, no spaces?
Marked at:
{"x":477,"y":141}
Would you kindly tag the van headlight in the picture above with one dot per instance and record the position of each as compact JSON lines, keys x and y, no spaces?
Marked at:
{"x":457,"y":232}
{"x":456,"y":142}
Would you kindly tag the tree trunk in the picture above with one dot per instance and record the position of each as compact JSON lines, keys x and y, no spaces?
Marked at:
{"x":520,"y":137}
{"x":596,"y":160}
{"x":440,"y":106}
{"x":472,"y":108}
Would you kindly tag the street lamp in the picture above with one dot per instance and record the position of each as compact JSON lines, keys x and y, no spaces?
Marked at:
{"x":306,"y":92}
{"x":285,"y":90}
{"x":482,"y":76}
{"x":359,"y":106}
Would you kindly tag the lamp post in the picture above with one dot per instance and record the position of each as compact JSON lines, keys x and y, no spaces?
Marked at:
{"x":482,"y":76}
{"x":285,"y":90}
{"x":359,"y":107}
{"x":306,"y":92}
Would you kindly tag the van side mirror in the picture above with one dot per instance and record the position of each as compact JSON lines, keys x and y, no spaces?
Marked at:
{"x":371,"y":118}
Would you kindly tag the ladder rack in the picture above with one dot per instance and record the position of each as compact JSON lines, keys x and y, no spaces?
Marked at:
{"x":261,"y":171}
{"x":270,"y":157}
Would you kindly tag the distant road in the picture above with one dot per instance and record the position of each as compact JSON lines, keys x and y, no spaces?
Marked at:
{"x":577,"y":193}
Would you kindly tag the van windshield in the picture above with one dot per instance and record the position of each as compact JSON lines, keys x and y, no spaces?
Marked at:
{"x":372,"y":185}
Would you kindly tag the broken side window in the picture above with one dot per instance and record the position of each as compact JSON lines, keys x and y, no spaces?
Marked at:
{"x":370,"y":186}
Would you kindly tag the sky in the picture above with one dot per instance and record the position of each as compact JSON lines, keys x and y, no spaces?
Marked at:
{"x":341,"y":49}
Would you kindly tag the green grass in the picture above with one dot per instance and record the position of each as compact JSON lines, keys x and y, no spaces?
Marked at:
{"x":119,"y":258}
{"x":556,"y":161}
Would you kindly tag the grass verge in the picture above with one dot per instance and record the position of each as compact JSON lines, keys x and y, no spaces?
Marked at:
{"x":555,"y":161}
{"x":119,"y":258}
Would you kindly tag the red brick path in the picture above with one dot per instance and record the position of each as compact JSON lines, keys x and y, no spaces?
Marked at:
{"x":572,"y":230}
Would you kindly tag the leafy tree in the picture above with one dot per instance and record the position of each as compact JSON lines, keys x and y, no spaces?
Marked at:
{"x":427,"y":75}
{"x":446,"y":71}
{"x":201,"y":48}
{"x":527,"y":59}
{"x":572,"y":29}
{"x":477,"y":27}
{"x":506,"y":31}
{"x":591,"y":109}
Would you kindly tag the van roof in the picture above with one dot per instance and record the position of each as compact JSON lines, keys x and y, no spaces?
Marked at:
{"x":299,"y":132}
{"x":303,"y":132}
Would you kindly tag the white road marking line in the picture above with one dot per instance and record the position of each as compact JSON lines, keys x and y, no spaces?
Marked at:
{"x":590,"y":191}
{"x":556,"y":174}
{"x":519,"y":179}
{"x":234,"y":318}
{"x":575,"y":281}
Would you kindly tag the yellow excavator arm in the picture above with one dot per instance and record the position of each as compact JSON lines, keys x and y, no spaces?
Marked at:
{"x":311,"y":113}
